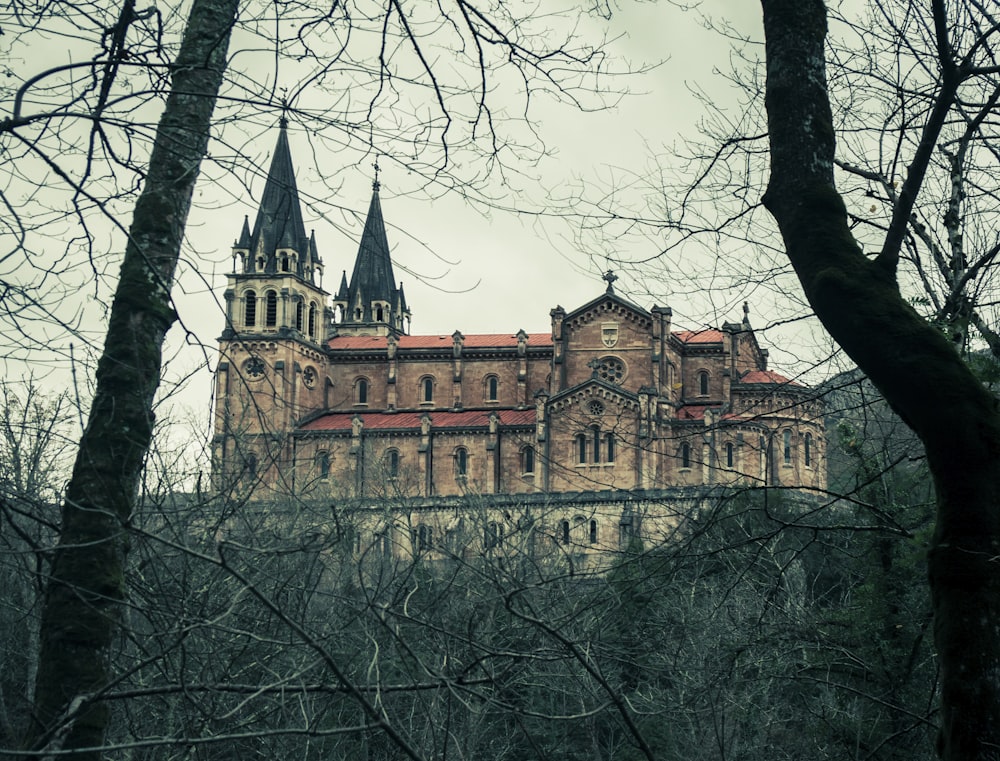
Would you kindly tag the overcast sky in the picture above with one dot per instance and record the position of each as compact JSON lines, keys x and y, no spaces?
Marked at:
{"x":467,"y":271}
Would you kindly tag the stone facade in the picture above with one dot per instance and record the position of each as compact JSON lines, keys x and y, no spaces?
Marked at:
{"x":322,"y":397}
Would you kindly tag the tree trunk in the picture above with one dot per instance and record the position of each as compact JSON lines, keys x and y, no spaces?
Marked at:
{"x":918,"y":371}
{"x":84,"y":596}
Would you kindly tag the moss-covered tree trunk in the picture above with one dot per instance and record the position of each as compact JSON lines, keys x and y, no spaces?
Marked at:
{"x":86,"y":589}
{"x":919,"y":372}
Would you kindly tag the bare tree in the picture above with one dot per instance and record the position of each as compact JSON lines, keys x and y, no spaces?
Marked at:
{"x":86,"y":584}
{"x":859,"y":301}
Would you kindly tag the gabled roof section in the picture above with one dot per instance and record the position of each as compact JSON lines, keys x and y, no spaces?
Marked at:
{"x":611,"y":297}
{"x":596,"y":388}
{"x":279,"y":218}
{"x":768,"y":377}
{"x":705,"y":336}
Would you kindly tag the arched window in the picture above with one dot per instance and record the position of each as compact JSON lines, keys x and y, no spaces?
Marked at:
{"x":581,"y":449}
{"x":357,"y":314}
{"x":685,"y":455}
{"x":260,"y":263}
{"x":730,"y":455}
{"x":528,"y":460}
{"x":564,"y":532}
{"x":285,"y":267}
{"x":461,"y":462}
{"x":323,"y":464}
{"x":593,"y":532}
{"x":270,"y":309}
{"x":250,"y":309}
{"x":251,"y":465}
{"x":786,"y":446}
{"x":609,"y":447}
{"x":312,"y":320}
{"x":299,"y":310}
{"x":492,"y":388}
{"x":492,"y":535}
{"x":379,"y":314}
{"x":807,"y":449}
{"x":392,"y":463}
{"x":425,"y":538}
{"x":703,"y":383}
{"x":361,"y":391}
{"x":427,"y":390}
{"x":597,"y":444}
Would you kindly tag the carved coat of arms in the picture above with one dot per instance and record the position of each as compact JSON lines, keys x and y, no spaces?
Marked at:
{"x":609,"y":334}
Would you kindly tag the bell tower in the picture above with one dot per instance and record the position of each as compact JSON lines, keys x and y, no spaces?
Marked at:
{"x":272,"y":368}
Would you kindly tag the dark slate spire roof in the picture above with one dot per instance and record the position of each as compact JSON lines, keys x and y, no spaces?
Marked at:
{"x":373,"y":278}
{"x":279,"y":219}
{"x":343,"y":290}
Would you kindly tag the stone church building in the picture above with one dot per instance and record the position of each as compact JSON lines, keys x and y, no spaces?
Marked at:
{"x":612,"y":412}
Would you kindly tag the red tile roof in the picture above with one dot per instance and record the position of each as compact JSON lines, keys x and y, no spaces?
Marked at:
{"x":473,"y":341}
{"x":767,"y":376}
{"x":692,"y":412}
{"x":707,"y":336}
{"x":380,"y":421}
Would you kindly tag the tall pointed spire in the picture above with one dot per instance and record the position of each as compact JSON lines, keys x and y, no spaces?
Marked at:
{"x":373,"y":304}
{"x":279,"y":219}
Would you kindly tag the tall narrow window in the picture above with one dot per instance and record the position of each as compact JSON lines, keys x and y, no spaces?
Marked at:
{"x":730,"y":455}
{"x":786,"y":446}
{"x":284,"y":263}
{"x":528,"y":460}
{"x":597,"y":444}
{"x":492,"y":535}
{"x":392,"y":463}
{"x":807,"y":449}
{"x":270,"y":309}
{"x":250,"y":309}
{"x":609,"y":447}
{"x":427,"y":389}
{"x":564,"y":532}
{"x":312,"y":320}
{"x":252,"y":464}
{"x":581,"y":449}
{"x":323,"y":464}
{"x":425,"y":538}
{"x":703,"y":383}
{"x":361,"y":391}
{"x":593,"y":532}
{"x":492,"y":388}
{"x":461,"y":462}
{"x":298,"y":315}
{"x":378,"y":314}
{"x":685,"y":455}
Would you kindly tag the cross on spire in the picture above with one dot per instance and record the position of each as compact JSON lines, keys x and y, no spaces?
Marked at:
{"x":376,"y":185}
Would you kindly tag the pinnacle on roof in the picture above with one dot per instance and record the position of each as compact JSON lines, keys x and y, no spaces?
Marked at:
{"x":279,"y":219}
{"x":244,"y":240}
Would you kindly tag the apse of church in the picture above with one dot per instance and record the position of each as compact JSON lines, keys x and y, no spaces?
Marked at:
{"x":331,"y":395}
